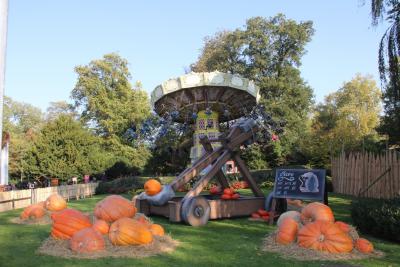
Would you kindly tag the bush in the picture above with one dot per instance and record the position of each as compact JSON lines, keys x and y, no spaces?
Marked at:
{"x":120,"y":169}
{"x":380,"y":218}
{"x":121,"y":185}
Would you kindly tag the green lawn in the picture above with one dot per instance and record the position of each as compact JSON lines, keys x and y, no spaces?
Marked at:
{"x":221,"y":243}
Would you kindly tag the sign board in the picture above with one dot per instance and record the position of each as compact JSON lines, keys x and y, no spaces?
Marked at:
{"x":299,"y":184}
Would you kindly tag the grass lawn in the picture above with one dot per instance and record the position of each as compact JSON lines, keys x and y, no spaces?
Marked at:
{"x":220,"y":243}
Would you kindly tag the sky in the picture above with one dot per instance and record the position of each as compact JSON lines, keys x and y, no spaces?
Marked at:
{"x":47,"y":39}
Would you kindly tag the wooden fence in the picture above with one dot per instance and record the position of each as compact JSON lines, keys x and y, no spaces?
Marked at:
{"x":22,"y":198}
{"x":367,"y":174}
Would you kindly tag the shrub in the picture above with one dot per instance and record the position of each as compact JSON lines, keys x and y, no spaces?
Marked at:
{"x":121,"y":185}
{"x":377,"y":217}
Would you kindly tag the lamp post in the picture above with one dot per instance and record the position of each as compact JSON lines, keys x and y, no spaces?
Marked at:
{"x":3,"y":46}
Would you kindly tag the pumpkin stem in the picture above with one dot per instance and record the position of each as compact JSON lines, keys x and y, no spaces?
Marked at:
{"x":321,"y":238}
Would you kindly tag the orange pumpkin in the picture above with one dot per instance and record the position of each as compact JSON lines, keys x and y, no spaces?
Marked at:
{"x":113,"y":208}
{"x":157,"y":229}
{"x":101,"y":226}
{"x":255,"y":215}
{"x":364,"y":246}
{"x":141,"y":218}
{"x":67,"y":222}
{"x":316,"y":211}
{"x":127,"y":231}
{"x":229,"y":191}
{"x":324,"y":236}
{"x":295,"y":215}
{"x":235,"y":196}
{"x":262,"y":212}
{"x":226,"y":197}
{"x":343,"y":226}
{"x":87,"y":240}
{"x":34,"y":211}
{"x":55,"y":202}
{"x":287,"y":231}
{"x":152,"y":187}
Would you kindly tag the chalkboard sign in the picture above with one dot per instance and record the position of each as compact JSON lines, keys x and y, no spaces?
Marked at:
{"x":299,"y":184}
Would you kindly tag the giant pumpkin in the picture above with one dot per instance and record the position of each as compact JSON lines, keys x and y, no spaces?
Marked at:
{"x":55,"y":202}
{"x":152,"y":187}
{"x":67,"y":222}
{"x":113,"y":208}
{"x":34,"y":211}
{"x":316,"y":211}
{"x":324,"y":236}
{"x":87,"y":240}
{"x":364,"y":246}
{"x":101,"y":226}
{"x":156,"y":229}
{"x":127,"y":231}
{"x":287,"y":231}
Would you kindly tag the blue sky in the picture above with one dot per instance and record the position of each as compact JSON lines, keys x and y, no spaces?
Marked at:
{"x":47,"y":39}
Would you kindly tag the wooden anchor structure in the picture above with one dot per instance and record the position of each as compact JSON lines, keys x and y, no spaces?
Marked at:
{"x":195,"y":209}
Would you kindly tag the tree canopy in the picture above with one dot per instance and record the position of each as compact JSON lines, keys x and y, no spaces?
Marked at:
{"x":268,"y":51}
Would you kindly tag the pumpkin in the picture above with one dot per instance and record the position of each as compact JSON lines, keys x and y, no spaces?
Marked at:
{"x":265,"y":217}
{"x":255,"y":215}
{"x":152,"y":187}
{"x":34,"y":211}
{"x":127,"y":231}
{"x":226,"y":196}
{"x":87,"y":240}
{"x":364,"y":246}
{"x":215,"y":190}
{"x":295,"y":215}
{"x":316,"y":211}
{"x":235,"y":196}
{"x":157,"y":229}
{"x":343,"y":226}
{"x":229,"y":191}
{"x":55,"y":202}
{"x":113,"y":208}
{"x":67,"y":222}
{"x":143,"y":219}
{"x":262,"y":212}
{"x":287,"y":231}
{"x":324,"y":236}
{"x":101,"y":226}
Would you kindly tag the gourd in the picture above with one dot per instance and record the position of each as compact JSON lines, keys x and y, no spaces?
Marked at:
{"x":364,"y":246}
{"x":127,"y":231}
{"x":157,"y":229}
{"x":55,"y":202}
{"x":152,"y":187}
{"x":113,"y":208}
{"x":67,"y":222}
{"x":34,"y":211}
{"x":316,"y":211}
{"x":287,"y":231}
{"x":324,"y":236}
{"x":101,"y":226}
{"x":87,"y":240}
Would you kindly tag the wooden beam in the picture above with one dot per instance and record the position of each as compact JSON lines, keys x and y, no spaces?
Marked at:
{"x":220,"y":175}
{"x":247,"y":176}
{"x":198,"y":187}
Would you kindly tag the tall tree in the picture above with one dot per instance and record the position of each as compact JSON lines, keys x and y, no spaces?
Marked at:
{"x":389,"y":65}
{"x":64,"y":148}
{"x":347,"y":119}
{"x":60,"y":108}
{"x":110,"y":105}
{"x":269,"y":52}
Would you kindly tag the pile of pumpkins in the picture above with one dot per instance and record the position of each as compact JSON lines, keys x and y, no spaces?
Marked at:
{"x":226,"y":194}
{"x":315,"y":228}
{"x":36,"y":211}
{"x":115,"y":218}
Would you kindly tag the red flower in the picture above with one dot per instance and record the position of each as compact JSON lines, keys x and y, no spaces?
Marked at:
{"x":275,"y":137}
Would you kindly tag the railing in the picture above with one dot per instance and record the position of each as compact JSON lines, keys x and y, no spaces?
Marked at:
{"x":22,"y":198}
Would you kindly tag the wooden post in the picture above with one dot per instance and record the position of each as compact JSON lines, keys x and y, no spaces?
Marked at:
{"x":247,"y":176}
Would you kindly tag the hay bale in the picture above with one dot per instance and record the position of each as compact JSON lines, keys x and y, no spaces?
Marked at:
{"x":60,"y":248}
{"x":304,"y":254}
{"x":45,"y":220}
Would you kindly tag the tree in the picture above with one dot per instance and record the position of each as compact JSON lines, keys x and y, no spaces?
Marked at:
{"x":110,"y":106}
{"x":347,"y":119}
{"x":60,"y":108}
{"x":107,"y":101}
{"x":269,"y":52}
{"x":64,"y":148}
